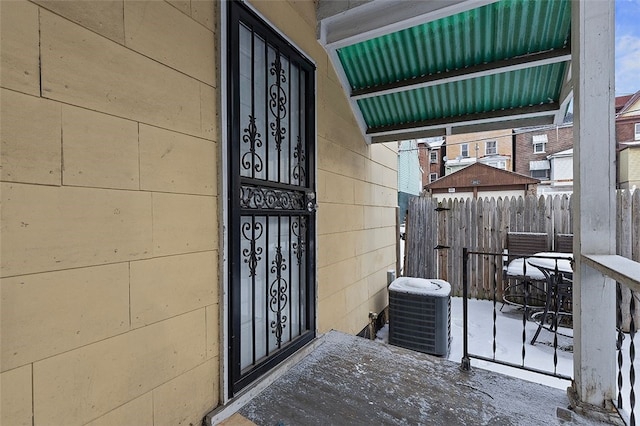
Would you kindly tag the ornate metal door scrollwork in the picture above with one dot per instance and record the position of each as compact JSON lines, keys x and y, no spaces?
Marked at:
{"x":278,"y":294}
{"x":272,"y":198}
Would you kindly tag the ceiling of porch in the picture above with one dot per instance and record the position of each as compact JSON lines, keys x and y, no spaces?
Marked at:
{"x":426,"y":68}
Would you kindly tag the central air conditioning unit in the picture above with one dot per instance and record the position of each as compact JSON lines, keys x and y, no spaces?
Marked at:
{"x":420,"y":315}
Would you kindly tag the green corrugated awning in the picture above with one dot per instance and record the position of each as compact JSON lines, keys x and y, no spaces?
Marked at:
{"x":416,"y":69}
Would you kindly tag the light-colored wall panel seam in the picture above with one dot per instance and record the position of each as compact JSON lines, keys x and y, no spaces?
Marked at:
{"x":355,"y":178}
{"x":120,"y":116}
{"x":61,"y":148}
{"x":199,"y":308}
{"x":105,"y":264}
{"x":113,"y":336}
{"x":366,"y":157}
{"x":17,"y":182}
{"x":139,"y":172}
{"x":129,"y":270}
{"x":148,"y":392}
{"x":127,"y":47}
{"x":206,"y":333}
{"x":176,"y":131}
{"x":180,"y":10}
{"x":112,"y":115}
{"x":180,"y":193}
{"x":192,"y":18}
{"x":39,"y":57}
{"x":33,"y":398}
{"x":153,"y":233}
{"x":352,"y":230}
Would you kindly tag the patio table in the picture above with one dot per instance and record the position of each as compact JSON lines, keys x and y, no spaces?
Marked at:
{"x":557,"y":269}
{"x":531,"y":281}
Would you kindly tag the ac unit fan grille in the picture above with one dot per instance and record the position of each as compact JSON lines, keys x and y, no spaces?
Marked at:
{"x":420,"y":322}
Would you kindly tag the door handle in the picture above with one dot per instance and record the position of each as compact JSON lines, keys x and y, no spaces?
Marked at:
{"x":312,"y":206}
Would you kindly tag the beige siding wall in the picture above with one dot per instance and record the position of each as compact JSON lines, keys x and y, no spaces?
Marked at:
{"x":109,"y":212}
{"x":357,"y":190}
{"x":110,"y":186}
{"x":630,"y":168}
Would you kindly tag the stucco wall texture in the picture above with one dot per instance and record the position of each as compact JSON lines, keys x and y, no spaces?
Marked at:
{"x":110,"y":208}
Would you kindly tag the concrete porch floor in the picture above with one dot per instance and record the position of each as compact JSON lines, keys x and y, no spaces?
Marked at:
{"x":347,"y":380}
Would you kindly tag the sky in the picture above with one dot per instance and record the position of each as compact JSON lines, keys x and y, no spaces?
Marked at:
{"x":627,"y":41}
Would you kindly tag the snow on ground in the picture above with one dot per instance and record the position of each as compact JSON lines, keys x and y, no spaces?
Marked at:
{"x":508,"y":341}
{"x":509,"y":345}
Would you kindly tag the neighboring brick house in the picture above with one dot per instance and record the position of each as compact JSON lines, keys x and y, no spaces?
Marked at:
{"x":534,"y":149}
{"x":430,"y":154}
{"x":493,"y":148}
{"x":628,"y":140}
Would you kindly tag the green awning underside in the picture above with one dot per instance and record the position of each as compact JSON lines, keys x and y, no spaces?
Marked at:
{"x":532,"y":86}
{"x":502,"y":62}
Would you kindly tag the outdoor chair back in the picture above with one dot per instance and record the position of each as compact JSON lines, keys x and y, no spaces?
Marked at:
{"x":564,"y":243}
{"x":527,"y":243}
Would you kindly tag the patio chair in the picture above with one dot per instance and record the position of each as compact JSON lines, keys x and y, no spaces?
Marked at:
{"x":525,"y":285}
{"x":563,"y":243}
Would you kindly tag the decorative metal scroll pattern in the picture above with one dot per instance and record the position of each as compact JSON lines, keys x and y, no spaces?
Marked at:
{"x":298,"y":229}
{"x":632,"y":356}
{"x":278,"y":101}
{"x":252,"y":137}
{"x":252,"y":197}
{"x":252,"y":255}
{"x":278,"y":295}
{"x":619,"y":338}
{"x":298,"y":170}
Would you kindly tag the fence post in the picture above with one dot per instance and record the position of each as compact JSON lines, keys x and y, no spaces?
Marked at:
{"x":466,"y":362}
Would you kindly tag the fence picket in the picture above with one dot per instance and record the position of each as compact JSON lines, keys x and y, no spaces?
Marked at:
{"x":483,"y":224}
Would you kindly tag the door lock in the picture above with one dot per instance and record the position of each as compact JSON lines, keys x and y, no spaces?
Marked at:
{"x":312,"y":206}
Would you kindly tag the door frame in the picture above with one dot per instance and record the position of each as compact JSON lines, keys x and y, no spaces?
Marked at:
{"x":223,"y":187}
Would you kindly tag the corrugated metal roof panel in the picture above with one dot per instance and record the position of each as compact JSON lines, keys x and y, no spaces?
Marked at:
{"x":515,"y":89}
{"x":501,"y":30}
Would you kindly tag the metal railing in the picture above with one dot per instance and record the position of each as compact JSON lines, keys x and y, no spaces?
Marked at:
{"x":551,"y":312}
{"x":627,"y":274}
{"x":625,"y":347}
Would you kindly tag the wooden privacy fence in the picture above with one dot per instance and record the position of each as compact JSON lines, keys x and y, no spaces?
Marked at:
{"x":436,"y":232}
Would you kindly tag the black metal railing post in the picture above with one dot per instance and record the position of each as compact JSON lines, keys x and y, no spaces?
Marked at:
{"x":466,"y":361}
{"x":550,"y":312}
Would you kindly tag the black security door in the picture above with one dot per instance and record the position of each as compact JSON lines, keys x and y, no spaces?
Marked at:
{"x":271,"y":198}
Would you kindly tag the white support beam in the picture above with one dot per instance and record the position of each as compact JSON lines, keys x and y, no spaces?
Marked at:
{"x":380,"y":17}
{"x":346,"y":87}
{"x":623,"y":270}
{"x":594,"y":205}
{"x":546,"y":110}
{"x":566,"y":95}
{"x":463,"y":128}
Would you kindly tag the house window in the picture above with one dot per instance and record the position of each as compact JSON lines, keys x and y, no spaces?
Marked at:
{"x":637,"y":137}
{"x":540,"y":174}
{"x":464,"y":148}
{"x":539,"y":142}
{"x":433,"y":177}
{"x":491,"y":148}
{"x":433,"y":157}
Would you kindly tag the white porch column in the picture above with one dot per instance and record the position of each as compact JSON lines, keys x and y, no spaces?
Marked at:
{"x":594,"y":206}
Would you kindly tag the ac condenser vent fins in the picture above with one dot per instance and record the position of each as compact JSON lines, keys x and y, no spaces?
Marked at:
{"x":420,"y":315}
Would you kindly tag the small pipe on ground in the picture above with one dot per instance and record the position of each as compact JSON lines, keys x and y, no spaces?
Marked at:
{"x":372,"y":325}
